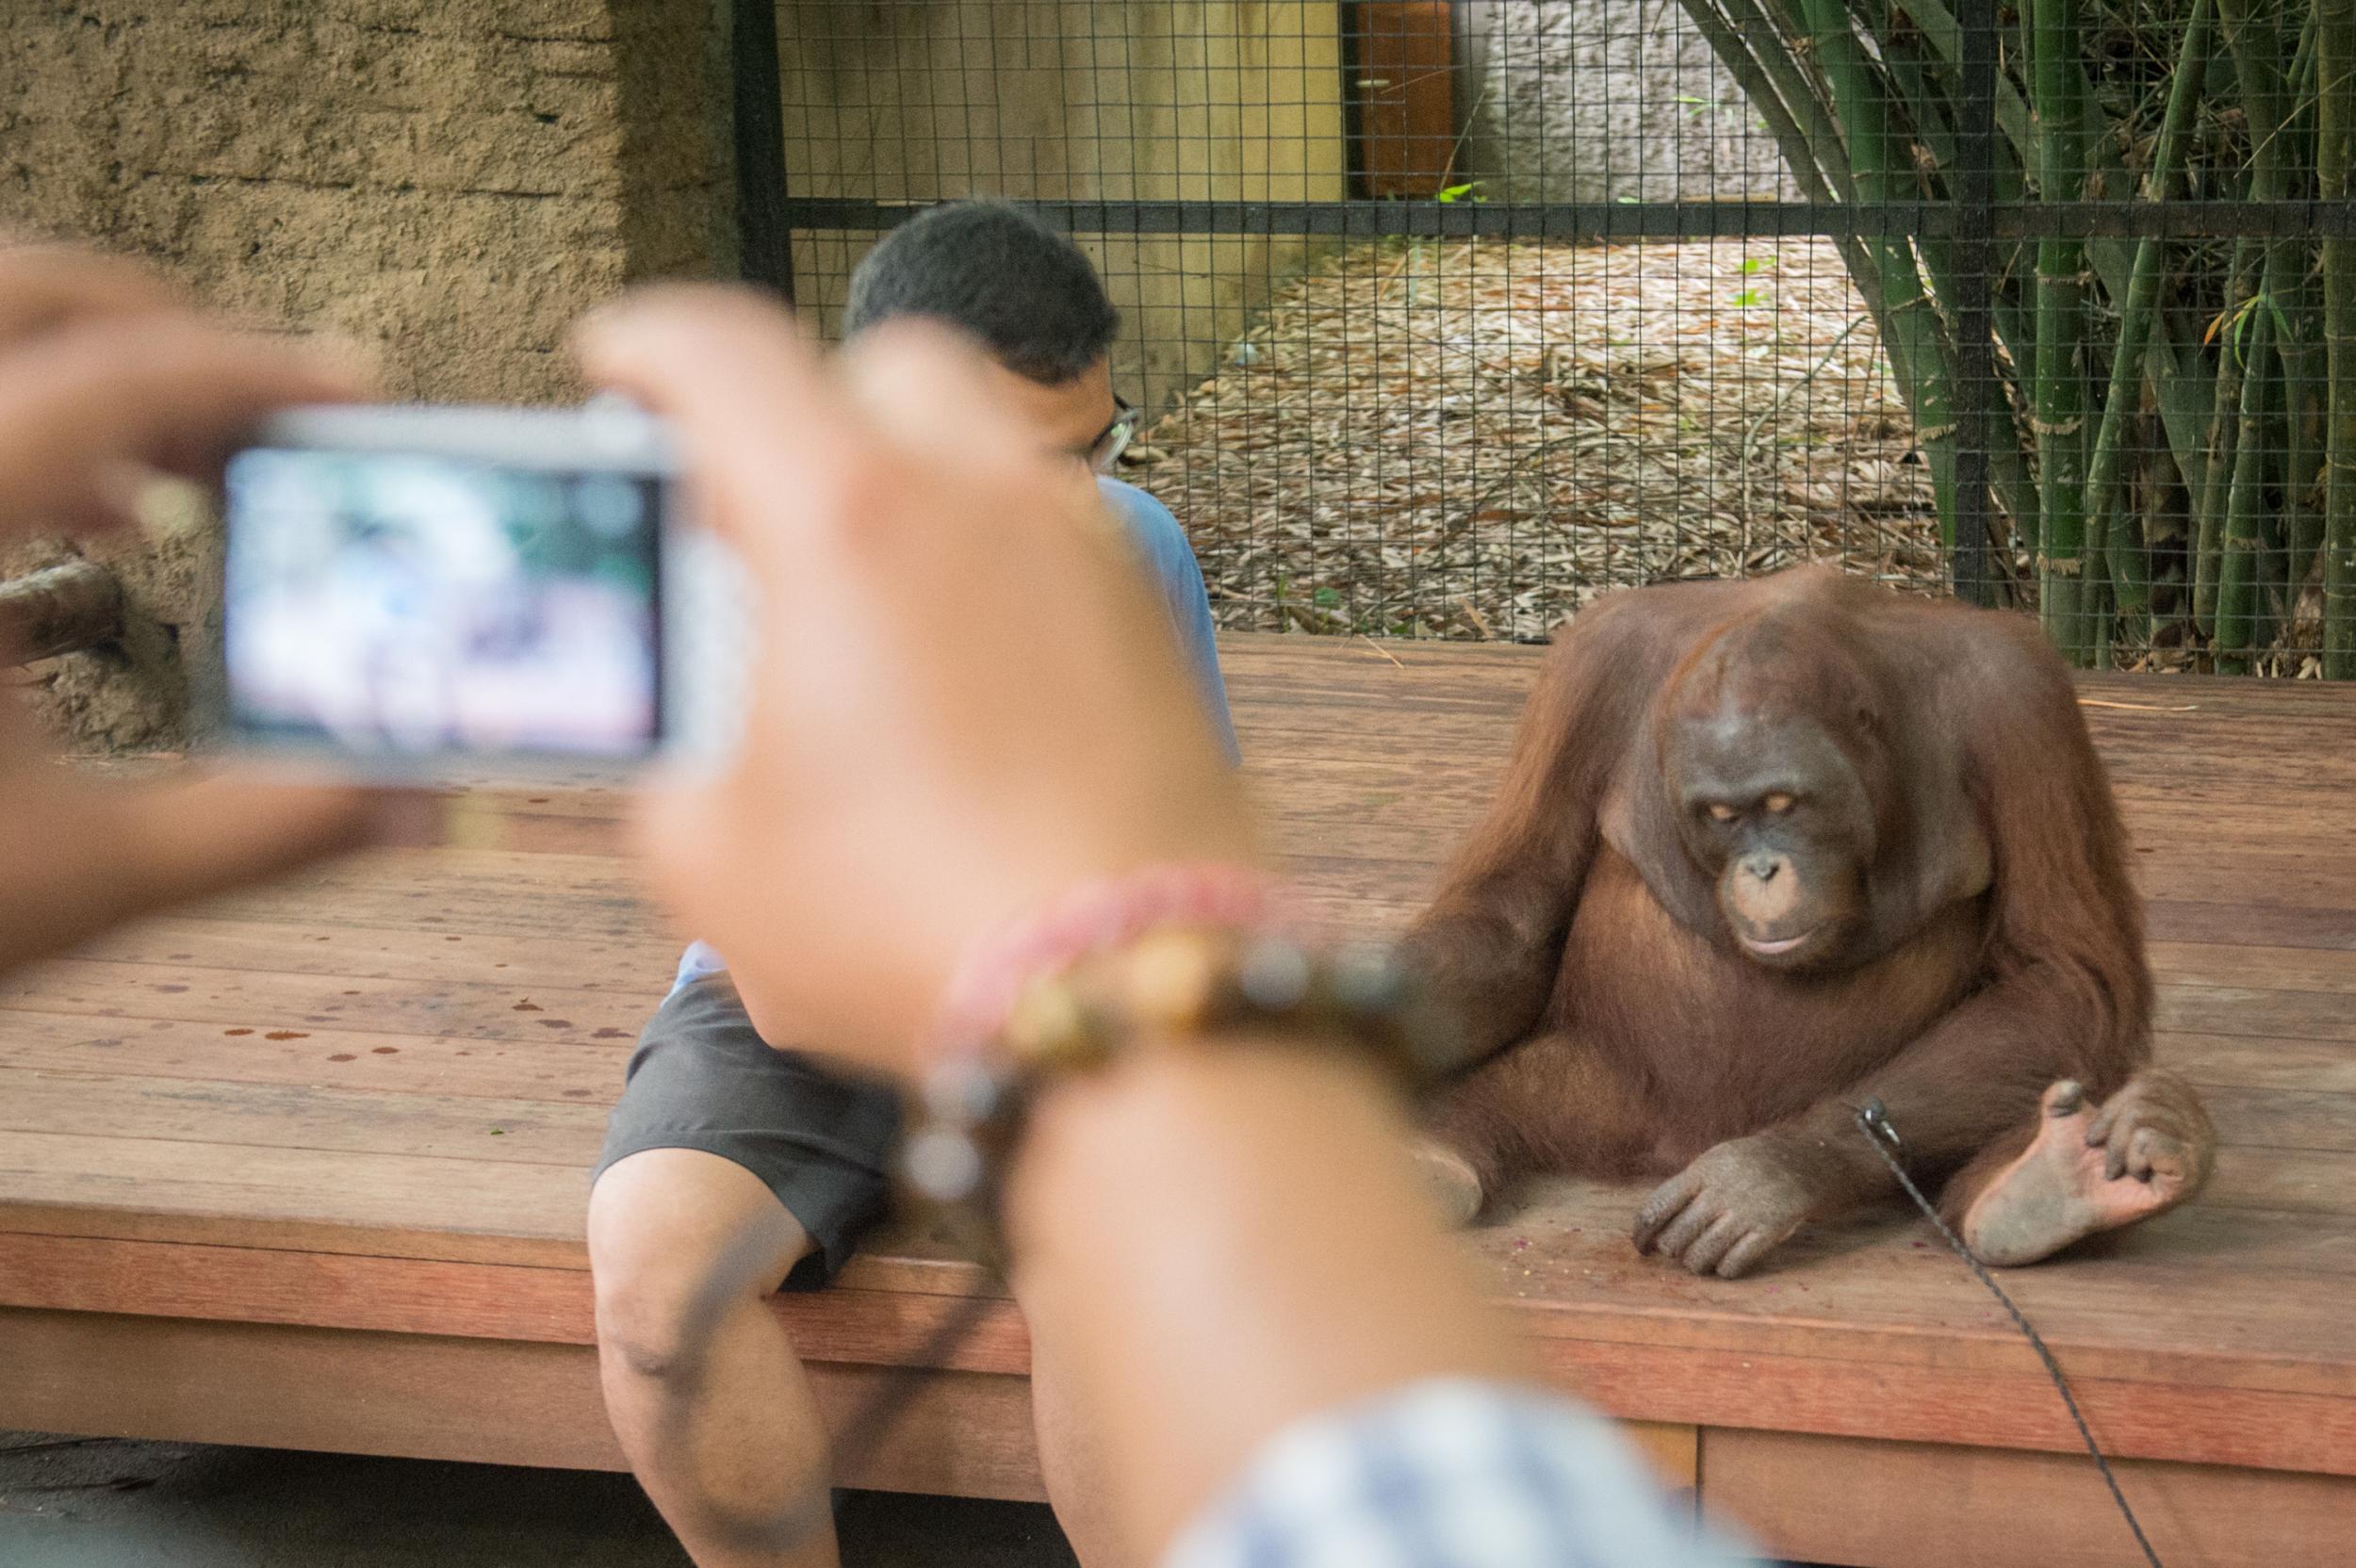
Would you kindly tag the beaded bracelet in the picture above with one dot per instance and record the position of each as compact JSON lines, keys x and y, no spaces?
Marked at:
{"x":1169,"y":953}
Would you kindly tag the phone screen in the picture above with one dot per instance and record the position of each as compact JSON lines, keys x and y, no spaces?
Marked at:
{"x":424,"y":605}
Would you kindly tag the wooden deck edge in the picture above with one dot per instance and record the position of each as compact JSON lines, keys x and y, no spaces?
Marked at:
{"x":2000,"y":1399}
{"x":965,"y":1434}
{"x":1820,"y":1499}
{"x":84,"y":1268}
{"x":420,"y":1396}
{"x":2018,"y":1410}
{"x":1830,"y":1499}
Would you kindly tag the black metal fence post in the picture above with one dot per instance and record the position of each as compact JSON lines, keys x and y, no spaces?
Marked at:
{"x":764,"y":228}
{"x":1971,"y":562}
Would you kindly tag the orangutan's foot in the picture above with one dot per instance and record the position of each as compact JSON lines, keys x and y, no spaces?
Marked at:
{"x":2144,"y":1151}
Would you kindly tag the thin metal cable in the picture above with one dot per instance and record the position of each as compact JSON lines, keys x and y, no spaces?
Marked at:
{"x":872,"y":1419}
{"x":1874,"y":1119}
{"x":870,"y":1424}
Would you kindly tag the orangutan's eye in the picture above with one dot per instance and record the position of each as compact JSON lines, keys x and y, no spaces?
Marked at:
{"x":1722,"y":812}
{"x":1779,"y":803}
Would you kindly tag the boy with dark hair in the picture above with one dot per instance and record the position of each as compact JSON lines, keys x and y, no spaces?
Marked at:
{"x":735,"y":1166}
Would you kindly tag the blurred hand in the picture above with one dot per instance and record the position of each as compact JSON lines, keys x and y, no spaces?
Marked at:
{"x":965,"y":701}
{"x":106,"y":378}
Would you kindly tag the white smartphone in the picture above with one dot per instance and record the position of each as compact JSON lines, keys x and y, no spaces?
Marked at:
{"x":414,"y":591}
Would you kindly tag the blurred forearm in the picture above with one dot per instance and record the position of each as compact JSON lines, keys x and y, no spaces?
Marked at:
{"x":1225,"y":1239}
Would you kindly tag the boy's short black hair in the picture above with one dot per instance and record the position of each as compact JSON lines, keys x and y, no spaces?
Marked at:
{"x":1022,"y":287}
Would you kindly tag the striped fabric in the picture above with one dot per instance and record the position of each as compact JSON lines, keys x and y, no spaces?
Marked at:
{"x":1449,"y":1474}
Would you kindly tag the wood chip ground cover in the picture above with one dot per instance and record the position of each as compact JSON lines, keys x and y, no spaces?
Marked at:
{"x":1472,"y":438}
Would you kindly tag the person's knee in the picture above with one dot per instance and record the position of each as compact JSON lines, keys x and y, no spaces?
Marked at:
{"x":678,"y":1241}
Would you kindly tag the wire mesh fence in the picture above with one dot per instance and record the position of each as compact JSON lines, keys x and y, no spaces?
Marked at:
{"x":1447,"y":317}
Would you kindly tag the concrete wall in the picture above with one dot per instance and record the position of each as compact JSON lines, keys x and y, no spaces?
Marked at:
{"x":1596,"y":100}
{"x":1069,"y":100}
{"x":444,"y":182}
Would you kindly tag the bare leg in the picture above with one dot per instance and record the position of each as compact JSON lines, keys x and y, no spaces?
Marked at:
{"x":1549,"y":1103}
{"x":1068,"y":1456}
{"x":2083,"y":1170}
{"x":701,"y":1383}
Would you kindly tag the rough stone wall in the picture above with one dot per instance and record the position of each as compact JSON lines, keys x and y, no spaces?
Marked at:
{"x":1600,"y":100}
{"x":443,"y":184}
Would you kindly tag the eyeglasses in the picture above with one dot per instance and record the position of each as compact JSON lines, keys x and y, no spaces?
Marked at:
{"x":1106,"y":448}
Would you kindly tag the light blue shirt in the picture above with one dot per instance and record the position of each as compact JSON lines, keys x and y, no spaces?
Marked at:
{"x":1453,"y":1473}
{"x":1171,"y":560}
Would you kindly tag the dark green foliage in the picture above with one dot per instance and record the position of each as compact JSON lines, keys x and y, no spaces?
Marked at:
{"x":2174,"y":462}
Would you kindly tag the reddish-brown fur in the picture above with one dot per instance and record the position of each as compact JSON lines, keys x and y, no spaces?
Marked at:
{"x":1618,"y":1040}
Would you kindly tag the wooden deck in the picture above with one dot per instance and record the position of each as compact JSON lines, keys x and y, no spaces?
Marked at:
{"x":307,"y":1167}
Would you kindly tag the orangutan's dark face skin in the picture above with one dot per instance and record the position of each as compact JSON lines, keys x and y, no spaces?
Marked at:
{"x":1774,"y":809}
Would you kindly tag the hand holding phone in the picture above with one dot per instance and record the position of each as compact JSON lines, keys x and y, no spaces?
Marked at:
{"x":411,"y":587}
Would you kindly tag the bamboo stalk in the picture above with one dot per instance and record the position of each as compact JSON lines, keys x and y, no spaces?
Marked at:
{"x":2238,"y":608}
{"x":1909,"y":70}
{"x":2255,"y":39}
{"x":1770,"y":39}
{"x":1813,"y":163}
{"x":2335,"y":159}
{"x":1916,"y":340}
{"x":1938,"y":24}
{"x":2209,"y":508}
{"x":2303,"y":369}
{"x":2181,"y":380}
{"x":2166,"y":515}
{"x":1828,"y":167}
{"x":2130,"y":564}
{"x":2274,"y":602}
{"x":2057,"y":396}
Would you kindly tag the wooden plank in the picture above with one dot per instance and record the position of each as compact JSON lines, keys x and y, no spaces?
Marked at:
{"x":875,"y":1316}
{"x":165,"y":1049}
{"x":2196,"y":1424}
{"x":278,"y":1002}
{"x":398,"y":1205}
{"x":491,"y":1401}
{"x":1937,"y":1399}
{"x":1889,"y":1505}
{"x":855,"y":1322}
{"x":632,"y":965}
{"x":2244,"y":1010}
{"x":2296,"y":968}
{"x":2260,"y":1061}
{"x":549,"y":1305}
{"x":2223,"y":921}
{"x":421,"y":1397}
{"x":344,"y":1177}
{"x":557,"y":1128}
{"x":308,"y":1117}
{"x":1674,"y":1452}
{"x":453,"y":893}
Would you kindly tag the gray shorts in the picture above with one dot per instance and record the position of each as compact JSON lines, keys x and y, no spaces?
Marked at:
{"x":821,"y":1141}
